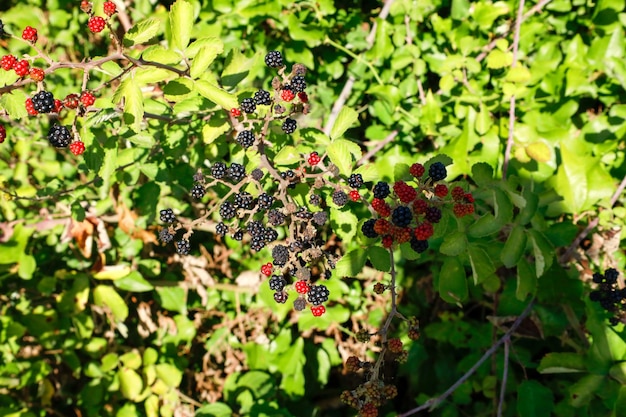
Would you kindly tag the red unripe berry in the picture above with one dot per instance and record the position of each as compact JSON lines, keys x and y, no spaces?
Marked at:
{"x":405,"y":192}
{"x":58,"y":105}
{"x":30,"y":109}
{"x":267,"y":269}
{"x":21,"y":68}
{"x":87,"y":98}
{"x":395,"y":345}
{"x":7,"y":62}
{"x":457,"y":193}
{"x":318,"y":310}
{"x":387,"y":241}
{"x":77,"y":147}
{"x":3,"y":133}
{"x":29,"y":34}
{"x":381,"y":207}
{"x":314,"y":159}
{"x":368,"y":410}
{"x":401,"y":234}
{"x":303,"y":97}
{"x":109,"y":8}
{"x":287,"y":95}
{"x":302,"y":287}
{"x":71,"y":101}
{"x":417,"y":170}
{"x":469,"y":198}
{"x":420,"y":206}
{"x":441,"y":190}
{"x":382,"y":227}
{"x":235,"y":112}
{"x":354,"y":195}
{"x":36,"y":74}
{"x":424,"y":231}
{"x":85,"y":6}
{"x":96,"y":24}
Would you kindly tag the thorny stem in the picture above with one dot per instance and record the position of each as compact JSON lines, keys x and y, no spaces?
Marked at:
{"x":434,"y":402}
{"x":505,"y":375}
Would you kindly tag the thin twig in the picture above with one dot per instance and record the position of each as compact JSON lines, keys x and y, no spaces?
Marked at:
{"x":434,"y":402}
{"x":509,"y":142}
{"x":505,"y":375}
{"x":379,"y":145}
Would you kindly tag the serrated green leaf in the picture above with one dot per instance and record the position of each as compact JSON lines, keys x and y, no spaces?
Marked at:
{"x":485,"y":226}
{"x":518,"y":74}
{"x":217,"y":95}
{"x":13,"y":103}
{"x":130,"y":92}
{"x":482,"y":173}
{"x":181,"y":23}
{"x":561,"y":362}
{"x":287,"y":155}
{"x":158,"y":53}
{"x":340,"y":154}
{"x":344,"y":223}
{"x":214,"y":129}
{"x":452,"y":281}
{"x":380,"y":258}
{"x":514,"y":247}
{"x":351,"y":264}
{"x":345,"y":119}
{"x":142,"y":32}
{"x":482,"y":266}
{"x":150,"y":75}
{"x":454,"y":244}
{"x":543,"y":252}
{"x":498,"y":59}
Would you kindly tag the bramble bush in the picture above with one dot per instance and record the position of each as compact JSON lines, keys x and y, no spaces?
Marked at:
{"x":312,"y":208}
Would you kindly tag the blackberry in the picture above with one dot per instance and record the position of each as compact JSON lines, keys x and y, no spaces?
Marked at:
{"x":275,"y":217}
{"x":257,"y":243}
{"x":262,"y":97}
{"x":198,"y":191}
{"x":340,"y":198}
{"x":433,"y":214}
{"x":236,"y":172}
{"x":59,"y":136}
{"x":318,"y":294}
{"x":3,"y":33}
{"x":221,"y":229}
{"x":265,"y":201}
{"x":381,"y":190}
{"x":320,"y":218}
{"x":257,"y":174}
{"x":299,"y":304}
{"x":419,"y":246}
{"x":245,"y":138}
{"x":165,"y":236}
{"x":280,"y":253}
{"x":437,"y":171}
{"x":274,"y":59}
{"x":289,"y":126}
{"x":244,"y":200}
{"x":298,"y":84}
{"x":611,"y":275}
{"x":315,"y":199}
{"x":277,"y":283}
{"x":355,"y":181}
{"x":598,"y":278}
{"x":238,"y":235}
{"x":401,"y":216}
{"x":183,"y":247}
{"x":304,"y":214}
{"x":270,"y":234}
{"x":280,"y":297}
{"x":228,"y":210}
{"x":167,"y":216}
{"x":218,"y":170}
{"x":368,"y":228}
{"x":43,"y":102}
{"x":247,"y":105}
{"x":255,"y":228}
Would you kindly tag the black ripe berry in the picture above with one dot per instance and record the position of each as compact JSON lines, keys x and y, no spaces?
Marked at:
{"x":262,"y":97}
{"x":221,"y":229}
{"x":167,"y":216}
{"x":320,"y":218}
{"x":298,"y":84}
{"x":59,"y":136}
{"x":265,"y":201}
{"x":257,"y":174}
{"x":228,"y":210}
{"x":277,"y":283}
{"x":280,"y":297}
{"x":218,"y":170}
{"x":236,"y":172}
{"x":198,"y":191}
{"x":183,"y":247}
{"x":280,"y":253}
{"x":433,"y":214}
{"x":238,"y":235}
{"x":289,"y":125}
{"x":244,"y":200}
{"x":437,"y":171}
{"x":419,"y":246}
{"x":165,"y":236}
{"x":318,"y":294}
{"x":368,"y":228}
{"x":274,"y":59}
{"x":340,"y":198}
{"x":247,"y":105}
{"x":43,"y":102}
{"x":355,"y":180}
{"x":401,"y":216}
{"x":381,"y":190}
{"x":245,"y":138}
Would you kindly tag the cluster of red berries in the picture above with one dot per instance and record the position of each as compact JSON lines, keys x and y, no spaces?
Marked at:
{"x":96,"y":24}
{"x":367,"y":397}
{"x":21,"y":67}
{"x":411,"y":211}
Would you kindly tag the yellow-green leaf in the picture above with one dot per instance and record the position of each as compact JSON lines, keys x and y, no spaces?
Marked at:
{"x":498,"y":59}
{"x":217,"y":95}
{"x":131,"y":383}
{"x":539,"y":151}
{"x":519,"y":74}
{"x":181,"y":23}
{"x":104,"y":295}
{"x":142,"y":32}
{"x":346,"y":118}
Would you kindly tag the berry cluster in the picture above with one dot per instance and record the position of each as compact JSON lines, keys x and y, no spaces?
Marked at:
{"x":367,"y":397}
{"x":609,"y":294}
{"x":409,"y":213}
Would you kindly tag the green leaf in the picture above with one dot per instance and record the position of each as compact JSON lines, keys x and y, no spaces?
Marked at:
{"x":157,"y":53}
{"x":173,"y":298}
{"x":28,"y":266}
{"x":104,"y":295}
{"x":206,"y":54}
{"x":380,"y":258}
{"x":519,"y":74}
{"x":620,"y":404}
{"x":217,"y":95}
{"x":341,"y":153}
{"x":181,"y":23}
{"x":452,"y":281}
{"x":539,"y":151}
{"x":214,"y":129}
{"x":351,"y":263}
{"x":502,"y":206}
{"x":171,"y":375}
{"x":581,"y":392}
{"x":133,"y":282}
{"x":498,"y":59}
{"x":526,"y":280}
{"x":484,"y":226}
{"x":214,"y":410}
{"x":130,"y":92}
{"x":454,"y":244}
{"x":482,"y":173}
{"x":344,"y":223}
{"x":482,"y":266}
{"x":131,"y":359}
{"x":514,"y":247}
{"x":291,"y":363}
{"x":288,"y":155}
{"x":13,"y":103}
{"x":345,"y":119}
{"x":144,"y":76}
{"x":528,"y":211}
{"x":542,"y":250}
{"x":534,"y":400}
{"x":561,"y":362}
{"x":142,"y":32}
{"x":131,"y":383}
{"x":483,"y":121}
